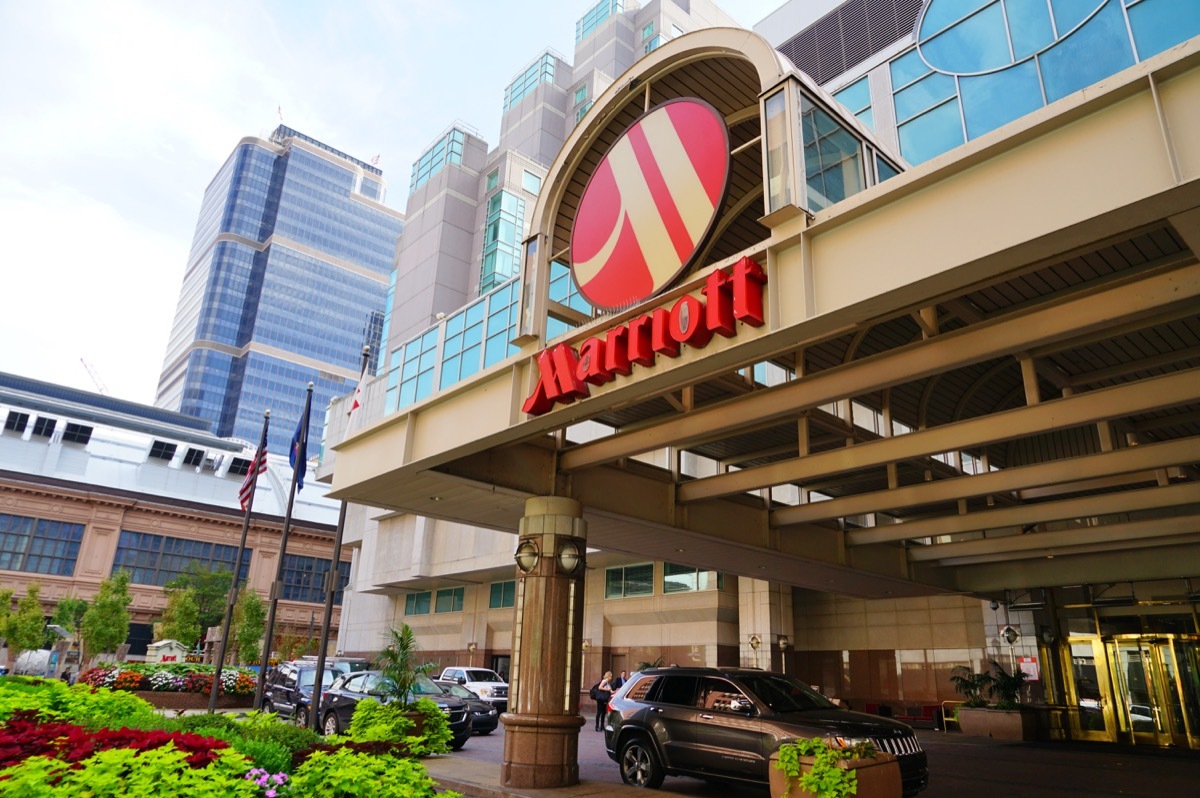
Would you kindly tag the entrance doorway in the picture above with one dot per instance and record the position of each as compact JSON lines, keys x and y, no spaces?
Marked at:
{"x":1138,"y":689}
{"x":501,"y":664}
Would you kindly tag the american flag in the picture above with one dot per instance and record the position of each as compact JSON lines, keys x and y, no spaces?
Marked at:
{"x":257,"y":466}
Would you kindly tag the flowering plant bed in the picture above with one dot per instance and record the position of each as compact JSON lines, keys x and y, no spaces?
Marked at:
{"x":170,"y":678}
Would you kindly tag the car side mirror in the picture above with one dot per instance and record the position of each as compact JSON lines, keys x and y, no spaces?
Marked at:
{"x":462,"y":680}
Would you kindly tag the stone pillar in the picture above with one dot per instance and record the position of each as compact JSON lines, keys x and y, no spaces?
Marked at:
{"x":764,"y":621}
{"x":541,"y":737}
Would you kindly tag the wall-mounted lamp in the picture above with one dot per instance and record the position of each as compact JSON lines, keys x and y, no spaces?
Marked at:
{"x":755,"y":642}
{"x":1010,"y":635}
{"x":527,"y":556}
{"x":472,"y":648}
{"x":1047,"y":635}
{"x":783,"y":642}
{"x":569,"y":557}
{"x":587,"y":646}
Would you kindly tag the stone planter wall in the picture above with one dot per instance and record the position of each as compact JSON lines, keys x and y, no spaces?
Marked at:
{"x":877,"y":778}
{"x":1000,"y":724}
{"x":164,"y":700}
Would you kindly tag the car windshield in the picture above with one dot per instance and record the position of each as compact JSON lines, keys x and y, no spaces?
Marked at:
{"x":425,"y":686}
{"x":476,"y":675}
{"x":308,"y":676}
{"x":784,"y":694}
{"x":459,"y":691}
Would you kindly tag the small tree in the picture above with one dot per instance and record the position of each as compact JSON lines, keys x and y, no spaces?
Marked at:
{"x":25,"y":629}
{"x":181,"y":618}
{"x":249,"y":619}
{"x":68,"y":613}
{"x":6,"y":599}
{"x":397,"y":663}
{"x":210,"y":590}
{"x":106,"y":622}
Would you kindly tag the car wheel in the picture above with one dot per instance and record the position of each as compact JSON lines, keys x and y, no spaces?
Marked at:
{"x":639,"y":764}
{"x":268,"y":707}
{"x":331,"y":723}
{"x":301,"y":717}
{"x":457,"y":744}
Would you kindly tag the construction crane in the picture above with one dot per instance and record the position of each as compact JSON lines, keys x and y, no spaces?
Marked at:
{"x":100,"y":386}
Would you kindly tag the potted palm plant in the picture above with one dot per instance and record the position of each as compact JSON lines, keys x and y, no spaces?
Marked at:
{"x":398,"y":665}
{"x":1006,"y":719}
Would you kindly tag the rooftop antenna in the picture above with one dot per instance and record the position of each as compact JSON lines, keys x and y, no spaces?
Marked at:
{"x":100,"y":386}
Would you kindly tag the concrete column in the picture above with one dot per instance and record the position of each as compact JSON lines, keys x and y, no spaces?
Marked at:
{"x":541,"y":737}
{"x":764,"y":621}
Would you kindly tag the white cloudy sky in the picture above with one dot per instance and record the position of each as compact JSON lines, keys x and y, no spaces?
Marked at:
{"x":115,"y":115}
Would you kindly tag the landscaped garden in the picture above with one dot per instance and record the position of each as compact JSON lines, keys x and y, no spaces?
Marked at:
{"x":92,"y":741}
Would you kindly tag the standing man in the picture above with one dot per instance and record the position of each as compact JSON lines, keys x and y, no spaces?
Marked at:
{"x":618,"y":682}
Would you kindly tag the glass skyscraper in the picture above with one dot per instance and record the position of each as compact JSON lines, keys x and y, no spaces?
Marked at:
{"x":286,"y":282}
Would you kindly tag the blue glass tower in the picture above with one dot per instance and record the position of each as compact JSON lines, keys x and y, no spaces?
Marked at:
{"x":286,"y":282}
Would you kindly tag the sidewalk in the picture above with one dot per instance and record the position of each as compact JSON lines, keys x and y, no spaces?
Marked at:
{"x":958,"y":766}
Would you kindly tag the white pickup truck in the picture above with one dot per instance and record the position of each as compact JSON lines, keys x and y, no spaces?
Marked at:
{"x":486,"y":683}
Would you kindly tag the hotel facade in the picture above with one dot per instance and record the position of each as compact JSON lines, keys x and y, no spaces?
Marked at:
{"x":854,"y":406}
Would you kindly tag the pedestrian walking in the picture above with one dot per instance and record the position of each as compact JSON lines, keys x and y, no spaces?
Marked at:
{"x":602,"y":693}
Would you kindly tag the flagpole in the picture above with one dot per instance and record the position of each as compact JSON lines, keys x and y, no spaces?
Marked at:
{"x":237,"y":571}
{"x":277,"y":585}
{"x":331,"y":581}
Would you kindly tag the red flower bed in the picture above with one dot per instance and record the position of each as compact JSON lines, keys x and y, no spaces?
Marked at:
{"x":23,"y":737}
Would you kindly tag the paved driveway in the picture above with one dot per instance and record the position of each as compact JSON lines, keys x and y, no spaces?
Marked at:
{"x":959,"y":766}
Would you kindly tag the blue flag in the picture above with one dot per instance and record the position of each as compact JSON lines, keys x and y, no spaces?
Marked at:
{"x":298,"y":455}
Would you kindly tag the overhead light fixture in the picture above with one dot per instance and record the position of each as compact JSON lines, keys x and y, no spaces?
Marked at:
{"x":1113,"y":601}
{"x":527,"y":556}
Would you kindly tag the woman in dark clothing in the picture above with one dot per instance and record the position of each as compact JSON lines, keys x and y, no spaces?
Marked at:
{"x":603,"y":693}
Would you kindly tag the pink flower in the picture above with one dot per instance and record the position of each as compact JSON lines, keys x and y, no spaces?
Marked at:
{"x":270,"y":793}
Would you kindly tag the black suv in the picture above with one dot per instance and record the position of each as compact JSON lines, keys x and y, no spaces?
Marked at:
{"x":724,"y":724}
{"x":289,"y":688}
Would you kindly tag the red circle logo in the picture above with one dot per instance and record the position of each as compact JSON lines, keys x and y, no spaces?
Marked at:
{"x":650,"y":204}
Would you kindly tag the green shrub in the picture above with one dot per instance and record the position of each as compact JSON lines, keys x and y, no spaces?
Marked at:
{"x":122,"y":772}
{"x":436,"y":736}
{"x":266,"y":727}
{"x":824,"y":778}
{"x":373,"y":721}
{"x":266,"y":754}
{"x":92,"y":707}
{"x":219,"y":720}
{"x":344,"y":773}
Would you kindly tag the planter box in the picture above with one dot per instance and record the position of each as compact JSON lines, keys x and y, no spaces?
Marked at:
{"x":1001,"y":724}
{"x":877,"y":778}
{"x":166,"y":700}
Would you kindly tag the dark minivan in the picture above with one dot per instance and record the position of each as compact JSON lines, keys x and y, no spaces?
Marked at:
{"x":724,"y":724}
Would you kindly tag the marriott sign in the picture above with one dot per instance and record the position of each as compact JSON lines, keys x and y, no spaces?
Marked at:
{"x":728,"y":298}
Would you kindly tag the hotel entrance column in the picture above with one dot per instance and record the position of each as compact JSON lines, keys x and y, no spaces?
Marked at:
{"x":541,"y":736}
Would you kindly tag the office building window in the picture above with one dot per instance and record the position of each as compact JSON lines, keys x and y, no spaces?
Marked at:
{"x":540,"y":71}
{"x":446,"y":150}
{"x":685,"y":579}
{"x":502,"y":595}
{"x":77,"y":433}
{"x":648,"y":31}
{"x":194,"y":457}
{"x":581,"y":94}
{"x":856,"y":98}
{"x":44,"y":426}
{"x":418,"y":603}
{"x":503,"y":228}
{"x":531,"y":182}
{"x":493,"y":179}
{"x":833,"y":161}
{"x":448,"y":600}
{"x":629,"y":580}
{"x":304,"y":579}
{"x":654,"y":44}
{"x":157,"y":559}
{"x":581,"y":112}
{"x":595,"y":16}
{"x":39,"y":546}
{"x":15,"y":421}
{"x":162,"y":450}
